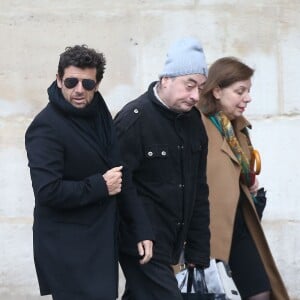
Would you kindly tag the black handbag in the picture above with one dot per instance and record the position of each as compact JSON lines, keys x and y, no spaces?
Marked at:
{"x":260,"y":202}
{"x":196,"y":288}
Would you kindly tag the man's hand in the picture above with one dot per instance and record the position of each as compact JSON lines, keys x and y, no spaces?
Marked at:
{"x":191,"y":265}
{"x":113,"y":179}
{"x":145,"y":249}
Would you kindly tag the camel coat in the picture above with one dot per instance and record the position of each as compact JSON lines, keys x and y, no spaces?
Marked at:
{"x":223,"y":172}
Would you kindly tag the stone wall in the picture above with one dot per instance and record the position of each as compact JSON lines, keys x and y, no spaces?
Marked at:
{"x":135,"y":35}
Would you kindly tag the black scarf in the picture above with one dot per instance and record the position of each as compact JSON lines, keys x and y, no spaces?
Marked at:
{"x":94,"y":120}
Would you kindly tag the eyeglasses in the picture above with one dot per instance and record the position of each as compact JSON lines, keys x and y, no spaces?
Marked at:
{"x":88,"y":84}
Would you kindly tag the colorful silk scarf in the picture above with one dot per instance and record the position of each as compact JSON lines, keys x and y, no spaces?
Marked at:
{"x":225,"y":127}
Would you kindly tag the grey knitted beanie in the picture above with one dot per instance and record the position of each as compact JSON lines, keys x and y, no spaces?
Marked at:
{"x":185,"y":57}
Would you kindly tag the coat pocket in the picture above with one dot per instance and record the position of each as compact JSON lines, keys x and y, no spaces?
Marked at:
{"x":156,"y":167}
{"x":157,"y":151}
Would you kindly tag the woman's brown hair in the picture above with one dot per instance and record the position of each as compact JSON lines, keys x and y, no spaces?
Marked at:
{"x":222,"y":73}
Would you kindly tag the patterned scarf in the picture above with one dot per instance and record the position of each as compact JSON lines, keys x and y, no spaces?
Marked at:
{"x":224,"y":126}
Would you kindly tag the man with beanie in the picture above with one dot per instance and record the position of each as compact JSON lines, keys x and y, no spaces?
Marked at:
{"x":164,"y":143}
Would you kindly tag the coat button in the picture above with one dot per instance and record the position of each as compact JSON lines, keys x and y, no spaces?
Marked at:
{"x":163,"y":153}
{"x":150,"y":153}
{"x":136,"y":111}
{"x":181,"y":186}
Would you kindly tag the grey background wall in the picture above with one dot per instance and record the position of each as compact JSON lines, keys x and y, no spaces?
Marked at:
{"x":135,"y":35}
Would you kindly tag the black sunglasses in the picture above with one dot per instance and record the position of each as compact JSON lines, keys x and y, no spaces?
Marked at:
{"x":71,"y":82}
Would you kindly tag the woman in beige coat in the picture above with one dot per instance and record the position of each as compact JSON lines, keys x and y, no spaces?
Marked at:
{"x":237,"y":236}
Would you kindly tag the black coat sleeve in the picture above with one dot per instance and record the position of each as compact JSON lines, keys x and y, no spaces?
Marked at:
{"x":45,"y":152}
{"x":197,"y":249}
{"x":131,"y":208}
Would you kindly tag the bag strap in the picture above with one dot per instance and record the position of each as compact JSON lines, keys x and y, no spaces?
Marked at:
{"x":196,"y":279}
{"x":190,"y":272}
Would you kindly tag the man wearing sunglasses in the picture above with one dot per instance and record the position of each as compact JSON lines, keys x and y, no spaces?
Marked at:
{"x":77,"y":176}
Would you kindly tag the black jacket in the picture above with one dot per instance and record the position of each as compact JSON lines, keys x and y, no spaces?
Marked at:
{"x":75,"y":220}
{"x":166,"y":152}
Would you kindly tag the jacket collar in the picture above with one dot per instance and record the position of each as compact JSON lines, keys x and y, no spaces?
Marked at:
{"x":239,"y":125}
{"x":170,"y":114}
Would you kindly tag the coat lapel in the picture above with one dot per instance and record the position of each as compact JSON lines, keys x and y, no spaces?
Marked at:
{"x":92,"y":143}
{"x":215,"y":135}
{"x":226,"y":148}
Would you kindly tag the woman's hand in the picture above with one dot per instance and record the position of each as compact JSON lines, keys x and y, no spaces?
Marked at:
{"x":253,"y":189}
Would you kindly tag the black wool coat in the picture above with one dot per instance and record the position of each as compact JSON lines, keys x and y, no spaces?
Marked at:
{"x":75,"y":220}
{"x":166,"y":152}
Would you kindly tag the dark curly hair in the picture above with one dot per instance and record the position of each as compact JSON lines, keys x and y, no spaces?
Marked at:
{"x":82,"y":57}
